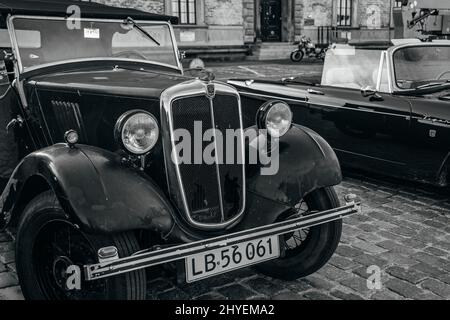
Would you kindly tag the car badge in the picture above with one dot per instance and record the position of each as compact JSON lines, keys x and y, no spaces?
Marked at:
{"x":432,"y":133}
{"x":210,"y":90}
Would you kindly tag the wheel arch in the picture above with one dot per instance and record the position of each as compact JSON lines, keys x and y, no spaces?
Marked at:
{"x":306,"y":163}
{"x":33,"y":186}
{"x":92,"y":185}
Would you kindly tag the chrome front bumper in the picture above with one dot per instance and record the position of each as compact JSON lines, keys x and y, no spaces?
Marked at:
{"x":144,"y":259}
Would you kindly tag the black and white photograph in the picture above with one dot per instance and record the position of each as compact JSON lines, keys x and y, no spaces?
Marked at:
{"x":204,"y":151}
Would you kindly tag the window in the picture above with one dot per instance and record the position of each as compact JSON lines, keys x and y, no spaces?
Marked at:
{"x":398,"y":4}
{"x":344,"y":13}
{"x":185,"y":10}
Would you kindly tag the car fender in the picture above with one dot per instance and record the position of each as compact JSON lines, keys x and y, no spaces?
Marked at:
{"x":306,"y":163}
{"x":98,"y":191}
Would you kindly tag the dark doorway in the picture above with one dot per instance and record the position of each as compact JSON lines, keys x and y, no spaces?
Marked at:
{"x":270,"y":20}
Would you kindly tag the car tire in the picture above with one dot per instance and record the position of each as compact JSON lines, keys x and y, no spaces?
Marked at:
{"x":41,"y":239}
{"x":318,"y":246}
{"x":297,"y":55}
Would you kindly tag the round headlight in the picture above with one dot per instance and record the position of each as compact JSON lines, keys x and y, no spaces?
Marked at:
{"x":138,"y":131}
{"x":276,"y":117}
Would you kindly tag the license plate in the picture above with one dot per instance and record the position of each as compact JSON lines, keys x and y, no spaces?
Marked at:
{"x":228,"y":258}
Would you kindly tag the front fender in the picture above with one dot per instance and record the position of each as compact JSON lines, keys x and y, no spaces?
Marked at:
{"x":94,"y":187}
{"x":306,"y":163}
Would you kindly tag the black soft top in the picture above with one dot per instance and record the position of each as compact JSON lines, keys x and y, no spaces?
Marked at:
{"x":58,"y":8}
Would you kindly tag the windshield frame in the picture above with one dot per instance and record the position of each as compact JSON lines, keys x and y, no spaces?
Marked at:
{"x":391,"y":62}
{"x":380,"y":63}
{"x":21,"y":72}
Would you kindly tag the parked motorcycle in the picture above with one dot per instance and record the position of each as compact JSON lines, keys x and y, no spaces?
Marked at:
{"x":311,"y":50}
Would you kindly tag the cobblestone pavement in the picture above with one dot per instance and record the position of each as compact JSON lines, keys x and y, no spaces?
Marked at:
{"x":404,"y":230}
{"x":267,"y":70}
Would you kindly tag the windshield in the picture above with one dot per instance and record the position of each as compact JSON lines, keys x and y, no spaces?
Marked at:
{"x":56,"y":40}
{"x":348,"y":67}
{"x":419,"y":66}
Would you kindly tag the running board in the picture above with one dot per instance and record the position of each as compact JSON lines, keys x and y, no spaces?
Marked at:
{"x":140,"y":260}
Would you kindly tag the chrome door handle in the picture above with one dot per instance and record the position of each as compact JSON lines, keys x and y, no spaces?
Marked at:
{"x":317,"y":92}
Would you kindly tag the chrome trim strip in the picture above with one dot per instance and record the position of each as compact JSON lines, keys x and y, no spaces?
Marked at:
{"x":370,"y":157}
{"x":194,"y":88}
{"x":216,"y":156}
{"x":15,"y":45}
{"x":243,"y":93}
{"x":148,"y":259}
{"x":407,"y":117}
{"x":380,"y":71}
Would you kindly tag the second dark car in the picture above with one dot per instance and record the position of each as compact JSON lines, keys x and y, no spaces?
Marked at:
{"x":385,"y":110}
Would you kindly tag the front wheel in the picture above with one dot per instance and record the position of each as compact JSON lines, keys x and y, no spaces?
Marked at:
{"x":305,"y":251}
{"x":47,"y":243}
{"x":297,"y":55}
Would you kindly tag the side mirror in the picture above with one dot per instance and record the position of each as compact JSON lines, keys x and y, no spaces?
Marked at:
{"x":368,"y":91}
{"x":181,"y":55}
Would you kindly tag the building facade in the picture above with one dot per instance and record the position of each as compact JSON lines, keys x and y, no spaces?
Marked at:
{"x":222,"y":24}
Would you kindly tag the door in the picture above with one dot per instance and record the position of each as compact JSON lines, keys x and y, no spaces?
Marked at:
{"x":366,"y":133}
{"x":271,"y":20}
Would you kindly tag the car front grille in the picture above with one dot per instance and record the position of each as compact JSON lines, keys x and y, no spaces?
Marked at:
{"x":214,"y":193}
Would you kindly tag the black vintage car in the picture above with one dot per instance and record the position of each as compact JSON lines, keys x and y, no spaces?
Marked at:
{"x":94,"y":107}
{"x":382,"y":108}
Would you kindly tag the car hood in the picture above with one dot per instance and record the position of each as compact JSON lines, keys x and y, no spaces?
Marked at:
{"x":144,"y":84}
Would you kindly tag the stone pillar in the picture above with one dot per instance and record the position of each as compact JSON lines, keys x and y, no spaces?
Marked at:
{"x":248,"y":13}
{"x":298,"y":18}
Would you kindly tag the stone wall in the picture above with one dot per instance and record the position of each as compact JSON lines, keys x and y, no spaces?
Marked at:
{"x":374,"y":13}
{"x":155,"y":6}
{"x":248,"y":13}
{"x":310,"y":14}
{"x":223,"y":12}
{"x":319,"y":10}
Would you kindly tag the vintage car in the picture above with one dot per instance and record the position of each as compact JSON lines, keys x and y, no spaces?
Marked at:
{"x":93,"y":108}
{"x":384,"y":109}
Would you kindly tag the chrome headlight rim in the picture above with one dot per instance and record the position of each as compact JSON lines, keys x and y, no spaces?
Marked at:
{"x":120,"y":125}
{"x":265,"y":110}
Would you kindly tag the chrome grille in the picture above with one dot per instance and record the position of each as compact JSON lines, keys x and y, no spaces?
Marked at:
{"x":213,"y":195}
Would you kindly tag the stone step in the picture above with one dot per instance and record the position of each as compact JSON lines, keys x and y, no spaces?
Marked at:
{"x":281,"y":46}
{"x":271,"y":53}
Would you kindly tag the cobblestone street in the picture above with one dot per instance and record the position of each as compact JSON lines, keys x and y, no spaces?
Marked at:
{"x":267,"y":70}
{"x":404,"y":230}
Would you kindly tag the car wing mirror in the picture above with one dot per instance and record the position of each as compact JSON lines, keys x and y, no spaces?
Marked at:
{"x":181,"y":55}
{"x":368,"y":91}
{"x":372,"y":93}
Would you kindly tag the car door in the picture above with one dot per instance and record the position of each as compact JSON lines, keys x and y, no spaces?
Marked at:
{"x":431,"y":137}
{"x":366,"y":132}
